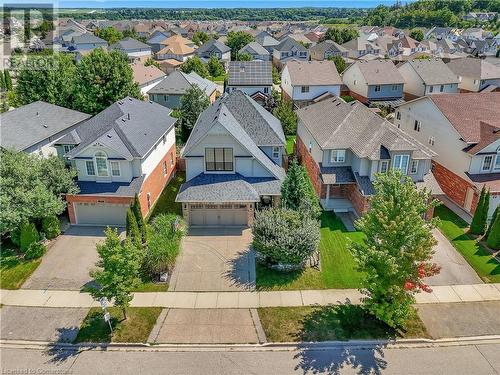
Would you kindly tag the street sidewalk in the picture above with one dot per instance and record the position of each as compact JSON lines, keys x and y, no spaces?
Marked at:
{"x":196,"y":300}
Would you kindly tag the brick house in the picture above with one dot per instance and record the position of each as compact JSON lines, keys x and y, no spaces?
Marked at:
{"x":344,"y":145}
{"x":464,"y":129}
{"x":127,"y":149}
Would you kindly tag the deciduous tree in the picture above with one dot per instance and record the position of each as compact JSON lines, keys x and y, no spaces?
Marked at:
{"x":237,"y":40}
{"x":285,"y":113}
{"x":200,"y":37}
{"x":215,"y":67}
{"x":194,"y":64}
{"x":109,"y":34}
{"x":193,"y":102}
{"x":417,"y":34}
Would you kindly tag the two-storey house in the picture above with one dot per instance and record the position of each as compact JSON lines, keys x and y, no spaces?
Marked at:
{"x":289,"y":49}
{"x":233,"y":163}
{"x":255,"y":50}
{"x":304,"y":81}
{"x":266,"y":40}
{"x":326,"y":50}
{"x":375,"y":80}
{"x":344,"y":145}
{"x":427,"y":76}
{"x":86,"y":42}
{"x":475,"y":75}
{"x":134,"y":49}
{"x":215,"y":48}
{"x":126,"y":149}
{"x":254,"y":78}
{"x":464,"y":129}
{"x":176,"y":48}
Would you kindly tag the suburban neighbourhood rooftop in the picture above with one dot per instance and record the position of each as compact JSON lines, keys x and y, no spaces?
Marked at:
{"x":311,"y":73}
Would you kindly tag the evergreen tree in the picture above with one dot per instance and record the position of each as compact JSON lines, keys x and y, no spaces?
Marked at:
{"x":136,"y":209}
{"x":8,"y":80}
{"x":478,"y":224}
{"x":493,"y":240}
{"x":2,"y":81}
{"x":133,"y":228}
{"x":493,"y":218}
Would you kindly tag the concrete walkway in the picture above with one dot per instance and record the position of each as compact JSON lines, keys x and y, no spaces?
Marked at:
{"x":211,"y":300}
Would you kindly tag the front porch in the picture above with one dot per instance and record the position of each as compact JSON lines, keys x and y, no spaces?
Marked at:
{"x":337,"y":205}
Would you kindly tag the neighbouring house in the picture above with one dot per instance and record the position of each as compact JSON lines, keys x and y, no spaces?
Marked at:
{"x":427,"y":76}
{"x":134,"y":49}
{"x":361,"y":47}
{"x":254,"y":78}
{"x":35,"y":127}
{"x":233,"y":163}
{"x":374,"y":81}
{"x":214,"y":48}
{"x":86,"y":42}
{"x":157,"y":39}
{"x":465,"y":131}
{"x":255,"y":50}
{"x":289,"y":49}
{"x":304,"y":81}
{"x":177,"y":48}
{"x":266,"y":40}
{"x":326,"y":50}
{"x":127,"y":149}
{"x":344,"y":145}
{"x":405,"y":46}
{"x":475,"y":75}
{"x":146,"y":76}
{"x":169,"y":91}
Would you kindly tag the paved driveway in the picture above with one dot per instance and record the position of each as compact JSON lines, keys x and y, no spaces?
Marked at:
{"x":454,"y":268}
{"x":68,"y":262}
{"x":215,"y":259}
{"x":207,"y":326}
{"x":40,"y":323}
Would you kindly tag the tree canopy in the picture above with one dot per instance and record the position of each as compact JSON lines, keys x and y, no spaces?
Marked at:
{"x":200,"y":37}
{"x":109,"y":34}
{"x":193,"y":102}
{"x":285,"y":113}
{"x":215,"y":67}
{"x":340,"y":35}
{"x":237,"y":40}
{"x":194,"y":64}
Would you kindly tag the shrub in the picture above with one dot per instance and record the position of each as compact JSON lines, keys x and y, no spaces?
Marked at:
{"x":136,"y":209}
{"x":493,"y":218}
{"x":15,"y":237}
{"x":494,"y":235}
{"x":51,"y":227}
{"x":163,"y":244}
{"x":284,"y":236}
{"x":29,"y":235}
{"x":35,"y":251}
{"x":479,"y":220}
{"x":132,"y":228}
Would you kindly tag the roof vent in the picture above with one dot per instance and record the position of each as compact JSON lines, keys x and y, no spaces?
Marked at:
{"x":108,"y":135}
{"x":38,"y":114}
{"x":128,"y":116}
{"x":45,"y":126}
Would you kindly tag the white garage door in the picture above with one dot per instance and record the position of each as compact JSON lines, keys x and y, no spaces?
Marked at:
{"x":100,"y":214}
{"x":218,"y":214}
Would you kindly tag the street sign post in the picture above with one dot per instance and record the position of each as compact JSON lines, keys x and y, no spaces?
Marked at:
{"x":107,"y":319}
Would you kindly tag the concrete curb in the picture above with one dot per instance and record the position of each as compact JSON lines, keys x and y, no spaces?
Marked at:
{"x":285,"y":346}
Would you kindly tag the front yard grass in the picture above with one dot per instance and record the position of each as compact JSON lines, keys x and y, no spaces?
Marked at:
{"x":166,"y":202}
{"x":137,"y":327}
{"x":454,"y":228}
{"x":14,"y":270}
{"x":325,"y":323}
{"x":338,"y":267}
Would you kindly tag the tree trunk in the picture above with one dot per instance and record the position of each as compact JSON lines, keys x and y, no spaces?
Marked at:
{"x":124,"y":310}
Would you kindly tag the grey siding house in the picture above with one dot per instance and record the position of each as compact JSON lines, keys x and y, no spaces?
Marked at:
{"x":255,"y":50}
{"x":214,"y":48}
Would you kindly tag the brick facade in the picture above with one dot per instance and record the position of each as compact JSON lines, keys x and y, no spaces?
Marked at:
{"x":359,"y":201}
{"x":310,"y":164}
{"x":153,"y":184}
{"x":454,"y":186}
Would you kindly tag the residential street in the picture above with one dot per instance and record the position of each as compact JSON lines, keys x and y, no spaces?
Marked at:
{"x":455,"y":360}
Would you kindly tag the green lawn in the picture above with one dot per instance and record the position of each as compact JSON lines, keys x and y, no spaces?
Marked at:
{"x":454,"y":228}
{"x":139,"y":323}
{"x":337,"y":263}
{"x":341,"y":322}
{"x":13,"y":269}
{"x":149,"y":286}
{"x":290,"y":141}
{"x":166,"y":202}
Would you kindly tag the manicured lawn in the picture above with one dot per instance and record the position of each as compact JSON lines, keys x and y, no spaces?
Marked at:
{"x":149,"y":286}
{"x":290,"y":141}
{"x":13,"y":269}
{"x":166,"y":202}
{"x":454,"y":228}
{"x":136,"y":328}
{"x":337,"y":263}
{"x":342,"y":322}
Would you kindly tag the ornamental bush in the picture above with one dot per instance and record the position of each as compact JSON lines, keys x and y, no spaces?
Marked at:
{"x":35,"y":251}
{"x":29,"y":235}
{"x":479,"y":220}
{"x":494,"y":234}
{"x":284,"y":236}
{"x":51,"y":227}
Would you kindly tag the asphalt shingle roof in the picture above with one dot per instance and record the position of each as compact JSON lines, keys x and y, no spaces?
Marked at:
{"x":250,"y":73}
{"x":474,"y":68}
{"x":313,"y":73}
{"x":129,"y":44}
{"x":122,"y":189}
{"x":254,"y":48}
{"x":129,"y":126}
{"x":379,"y":72}
{"x":211,"y":45}
{"x":335,"y":124}
{"x":288,"y":43}
{"x":327,"y":45}
{"x":177,"y":83}
{"x":88,"y":38}
{"x":34,"y":122}
{"x":433,"y":72}
{"x":336,"y":175}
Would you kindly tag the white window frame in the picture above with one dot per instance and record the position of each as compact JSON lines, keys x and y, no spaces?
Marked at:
{"x":382,"y":164}
{"x":394,"y":87}
{"x":432,"y":140}
{"x":105,"y":157}
{"x":496,"y":164}
{"x":337,"y":156}
{"x":378,"y":88}
{"x":400,"y":165}
{"x":483,"y":163}
{"x":398,"y":115}
{"x":413,"y":166}
{"x":304,"y":89}
{"x":67,"y":148}
{"x":165,"y":168}
{"x":87,"y":163}
{"x":417,"y":125}
{"x":115,"y":163}
{"x":276,"y":152}
{"x":431,"y":89}
{"x":441,"y":88}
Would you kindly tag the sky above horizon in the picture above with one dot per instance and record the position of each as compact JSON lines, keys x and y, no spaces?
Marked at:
{"x":206,"y":3}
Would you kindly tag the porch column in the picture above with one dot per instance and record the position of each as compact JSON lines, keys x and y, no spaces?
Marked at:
{"x":327,"y":192}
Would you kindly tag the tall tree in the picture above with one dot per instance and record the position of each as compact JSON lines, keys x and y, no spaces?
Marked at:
{"x":3,"y":87}
{"x":118,"y":274}
{"x":193,"y":102}
{"x":398,"y":249}
{"x":101,"y":79}
{"x":297,"y":192}
{"x":109,"y":34}
{"x":493,"y":218}
{"x":132,"y":228}
{"x":137,"y":210}
{"x":200,"y":37}
{"x":493,"y":240}
{"x":215,"y":67}
{"x":285,"y":113}
{"x":194,"y":64}
{"x":339,"y":62}
{"x":479,"y":220}
{"x":417,"y":34}
{"x":237,"y":40}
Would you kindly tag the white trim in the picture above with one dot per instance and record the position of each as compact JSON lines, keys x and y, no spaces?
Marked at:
{"x":491,"y":163}
{"x":116,"y":162}
{"x":412,"y":162}
{"x":339,"y":154}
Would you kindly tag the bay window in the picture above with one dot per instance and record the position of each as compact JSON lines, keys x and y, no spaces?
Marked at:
{"x":218,"y":159}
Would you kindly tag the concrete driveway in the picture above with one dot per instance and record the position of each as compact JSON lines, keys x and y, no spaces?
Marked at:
{"x":454,"y":268}
{"x":67,"y":263}
{"x":215,"y":259}
{"x":40,"y":323}
{"x":207,"y":326}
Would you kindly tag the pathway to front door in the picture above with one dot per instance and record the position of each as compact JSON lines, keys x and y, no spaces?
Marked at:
{"x":215,"y":259}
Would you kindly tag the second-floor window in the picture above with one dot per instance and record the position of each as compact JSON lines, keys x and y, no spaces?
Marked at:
{"x":417,"y":126}
{"x":398,"y":115}
{"x":394,"y":87}
{"x":377,"y":88}
{"x":89,"y":165}
{"x":304,"y":89}
{"x":68,"y":148}
{"x":384,"y":166}
{"x":219,"y":159}
{"x":276,"y":152}
{"x":165,"y":169}
{"x":401,"y":162}
{"x":414,"y":167}
{"x":441,"y":88}
{"x":101,"y":162}
{"x":115,"y":168}
{"x":431,"y":88}
{"x":487,"y":160}
{"x":337,"y":156}
{"x":496,"y":166}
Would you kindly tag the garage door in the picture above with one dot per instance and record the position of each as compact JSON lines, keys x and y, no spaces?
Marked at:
{"x":218,"y":214}
{"x":100,"y":214}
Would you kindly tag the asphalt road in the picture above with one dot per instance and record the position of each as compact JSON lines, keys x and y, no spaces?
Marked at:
{"x":456,"y":360}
